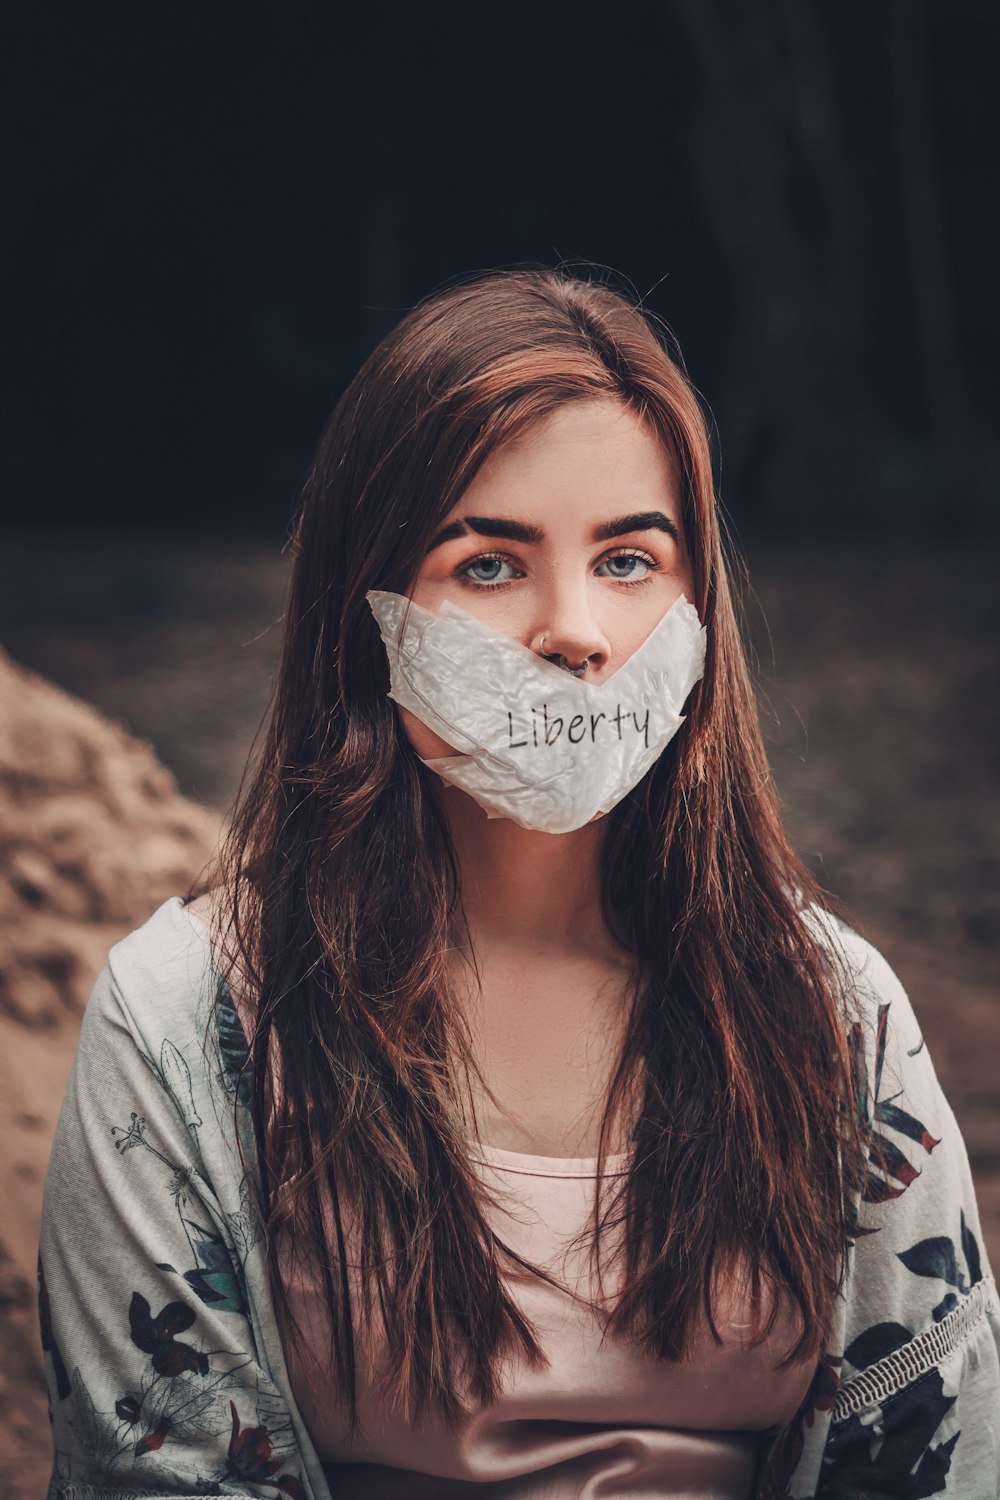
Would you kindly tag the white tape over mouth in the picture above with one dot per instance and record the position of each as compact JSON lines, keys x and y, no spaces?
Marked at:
{"x":537,"y":744}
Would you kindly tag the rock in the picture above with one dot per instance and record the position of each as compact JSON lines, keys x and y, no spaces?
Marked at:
{"x":93,"y":836}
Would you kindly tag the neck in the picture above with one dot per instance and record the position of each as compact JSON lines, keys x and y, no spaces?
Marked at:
{"x":523,"y":886}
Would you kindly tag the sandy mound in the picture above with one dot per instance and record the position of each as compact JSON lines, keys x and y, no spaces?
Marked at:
{"x":93,"y":836}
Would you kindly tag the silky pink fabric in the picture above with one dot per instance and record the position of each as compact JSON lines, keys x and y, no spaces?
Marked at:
{"x":601,"y":1418}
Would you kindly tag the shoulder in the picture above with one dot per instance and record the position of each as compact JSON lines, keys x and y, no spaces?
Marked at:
{"x":873,"y":999}
{"x":158,"y":981}
{"x":165,"y":960}
{"x":898,"y":1097}
{"x":160,"y":1041}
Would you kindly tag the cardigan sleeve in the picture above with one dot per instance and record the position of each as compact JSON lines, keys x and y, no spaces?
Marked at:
{"x":908,"y":1402}
{"x":155,"y":1386}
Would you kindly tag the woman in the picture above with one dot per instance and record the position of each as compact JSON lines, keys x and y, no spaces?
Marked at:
{"x":513,"y":1118}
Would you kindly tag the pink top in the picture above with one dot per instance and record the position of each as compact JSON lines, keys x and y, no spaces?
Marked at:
{"x":601,"y":1418}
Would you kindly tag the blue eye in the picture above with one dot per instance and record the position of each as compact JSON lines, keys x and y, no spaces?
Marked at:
{"x":626,"y":566}
{"x":487,"y":570}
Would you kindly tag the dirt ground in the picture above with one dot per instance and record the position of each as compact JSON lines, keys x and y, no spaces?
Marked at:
{"x":878,"y":674}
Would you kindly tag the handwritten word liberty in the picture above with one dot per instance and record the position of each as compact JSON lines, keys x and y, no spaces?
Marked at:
{"x":547,"y":729}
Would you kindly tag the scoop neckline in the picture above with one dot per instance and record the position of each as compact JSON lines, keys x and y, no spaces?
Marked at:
{"x":527,"y":1164}
{"x":530,"y":1165}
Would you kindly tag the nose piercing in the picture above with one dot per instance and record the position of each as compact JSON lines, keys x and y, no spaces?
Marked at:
{"x":561,"y":660}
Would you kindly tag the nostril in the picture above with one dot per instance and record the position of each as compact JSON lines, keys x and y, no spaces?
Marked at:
{"x":559,"y":660}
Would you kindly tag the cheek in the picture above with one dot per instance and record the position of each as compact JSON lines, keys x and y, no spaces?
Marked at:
{"x":638,"y":622}
{"x":425,"y":742}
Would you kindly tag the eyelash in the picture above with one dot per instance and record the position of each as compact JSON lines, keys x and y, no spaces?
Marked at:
{"x":463,"y":578}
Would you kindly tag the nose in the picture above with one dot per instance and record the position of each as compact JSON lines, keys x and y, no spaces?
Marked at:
{"x":568,"y":635}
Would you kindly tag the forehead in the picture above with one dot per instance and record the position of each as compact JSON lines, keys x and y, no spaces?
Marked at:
{"x":594,"y":455}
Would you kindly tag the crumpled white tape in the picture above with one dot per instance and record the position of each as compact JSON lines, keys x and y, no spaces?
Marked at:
{"x":536,"y":744}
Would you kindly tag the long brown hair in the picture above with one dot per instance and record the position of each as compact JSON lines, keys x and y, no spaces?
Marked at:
{"x":341,"y":890}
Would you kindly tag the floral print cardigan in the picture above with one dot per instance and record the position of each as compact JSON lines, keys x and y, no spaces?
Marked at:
{"x":162,"y":1354}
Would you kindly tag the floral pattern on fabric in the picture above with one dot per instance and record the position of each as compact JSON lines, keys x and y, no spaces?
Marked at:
{"x":174,"y":1397}
{"x":896,"y":1447}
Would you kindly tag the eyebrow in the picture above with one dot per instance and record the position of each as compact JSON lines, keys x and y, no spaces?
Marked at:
{"x":522,"y":531}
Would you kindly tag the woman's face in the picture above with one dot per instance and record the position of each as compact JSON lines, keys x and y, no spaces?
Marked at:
{"x":568,"y":540}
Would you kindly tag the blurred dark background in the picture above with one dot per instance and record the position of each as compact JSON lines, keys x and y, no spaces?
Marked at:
{"x":213,"y":212}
